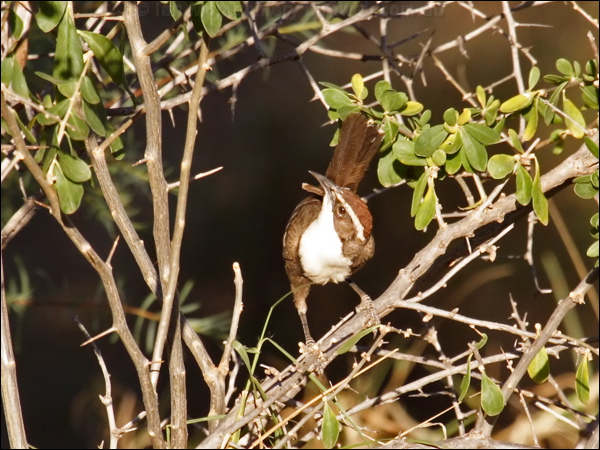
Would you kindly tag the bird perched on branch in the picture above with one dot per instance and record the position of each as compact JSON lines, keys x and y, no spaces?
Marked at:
{"x":328,"y":236}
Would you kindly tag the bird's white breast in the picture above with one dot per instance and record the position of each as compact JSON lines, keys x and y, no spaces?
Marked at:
{"x":321,"y":249}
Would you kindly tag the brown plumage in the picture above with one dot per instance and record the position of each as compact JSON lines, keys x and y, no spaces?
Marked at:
{"x":350,"y":218}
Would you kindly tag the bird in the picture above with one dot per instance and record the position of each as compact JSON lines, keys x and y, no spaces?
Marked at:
{"x":329,"y":235}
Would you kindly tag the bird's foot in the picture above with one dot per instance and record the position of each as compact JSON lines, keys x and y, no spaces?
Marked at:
{"x":367,"y":307}
{"x":312,"y":350}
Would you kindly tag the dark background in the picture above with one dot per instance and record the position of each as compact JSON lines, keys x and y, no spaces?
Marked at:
{"x":240,"y":213}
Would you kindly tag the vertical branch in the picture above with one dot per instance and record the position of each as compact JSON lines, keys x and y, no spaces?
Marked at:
{"x":153,"y":154}
{"x":170,"y":308}
{"x":10,"y":389}
{"x":104,"y":271}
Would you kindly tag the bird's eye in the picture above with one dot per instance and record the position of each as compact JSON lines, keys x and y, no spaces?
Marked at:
{"x":341,"y":210}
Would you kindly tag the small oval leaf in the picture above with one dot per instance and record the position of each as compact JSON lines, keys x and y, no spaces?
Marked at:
{"x":336,"y":99}
{"x":69,"y":193}
{"x":330,"y":430}
{"x":582,"y":381}
{"x":492,"y":400}
{"x":539,"y":368}
{"x":499,"y":166}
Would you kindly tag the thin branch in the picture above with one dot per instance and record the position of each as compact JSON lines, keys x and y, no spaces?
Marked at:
{"x":485,"y":424}
{"x":11,"y":401}
{"x":106,"y":276}
{"x":106,"y":399}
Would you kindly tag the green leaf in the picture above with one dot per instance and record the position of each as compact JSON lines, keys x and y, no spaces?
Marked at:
{"x":515,"y":141}
{"x":58,"y":111}
{"x":565,"y":67}
{"x":475,"y":152}
{"x":89,"y":92}
{"x":464,"y":116}
{"x":539,"y":368}
{"x":330,"y":430}
{"x":549,"y":113}
{"x":358,"y":86}
{"x":439,"y":157}
{"x":589,"y":95}
{"x":174,"y":10}
{"x":392,"y":100}
{"x":534,"y":77}
{"x":16,"y":78}
{"x":404,"y":151}
{"x":532,"y":122}
{"x":69,"y":193}
{"x":593,"y":250}
{"x":591,"y":145}
{"x":418,"y":194}
{"x":492,"y":400}
{"x":231,"y":10}
{"x":574,"y":119}
{"x":430,"y":140}
{"x":16,"y":24}
{"x":211,"y":18}
{"x":411,"y":108}
{"x":95,"y":116}
{"x":68,"y":58}
{"x":453,"y":163}
{"x":517,"y":103}
{"x":450,"y":116}
{"x":480,"y":95}
{"x":582,"y":381}
{"x":491,"y":113}
{"x":78,"y":130}
{"x":499,"y":166}
{"x":466,"y":381}
{"x":347,"y":346}
{"x":482,"y":133}
{"x":107,"y":54}
{"x":452,"y":144}
{"x":241,"y":349}
{"x":426,"y":210}
{"x":390,"y":131}
{"x":381,"y":87}
{"x":385,"y":170}
{"x":524,"y":185}
{"x":540,"y":202}
{"x":74,"y":168}
{"x":336,"y":99}
{"x":49,"y":15}
{"x":585,"y":190}
{"x":345,"y":111}
{"x":481,"y":342}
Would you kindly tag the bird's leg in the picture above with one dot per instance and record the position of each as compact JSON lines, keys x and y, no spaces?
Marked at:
{"x":366,"y":305}
{"x":309,"y":346}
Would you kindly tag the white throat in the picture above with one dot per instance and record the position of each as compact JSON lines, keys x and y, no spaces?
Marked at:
{"x":321,"y":249}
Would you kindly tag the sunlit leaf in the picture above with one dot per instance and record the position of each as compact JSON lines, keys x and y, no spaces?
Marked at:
{"x":539,"y":368}
{"x":540,"y":202}
{"x":107,"y":54}
{"x":430,"y":140}
{"x":582,"y":381}
{"x":492,"y":400}
{"x":574,"y":119}
{"x":49,"y":14}
{"x":426,"y":210}
{"x":500,"y":166}
{"x":466,"y":381}
{"x":524,"y":185}
{"x":336,"y":99}
{"x":330,"y":429}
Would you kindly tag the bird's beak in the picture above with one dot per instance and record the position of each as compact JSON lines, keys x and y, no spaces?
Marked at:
{"x":328,"y":186}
